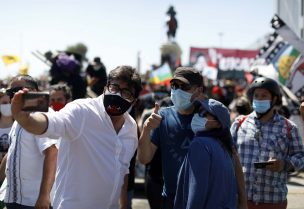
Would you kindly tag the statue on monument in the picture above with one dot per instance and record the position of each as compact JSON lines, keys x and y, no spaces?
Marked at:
{"x":171,"y":23}
{"x":170,"y":50}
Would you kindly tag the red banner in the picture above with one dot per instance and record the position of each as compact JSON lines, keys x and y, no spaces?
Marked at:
{"x":223,"y":59}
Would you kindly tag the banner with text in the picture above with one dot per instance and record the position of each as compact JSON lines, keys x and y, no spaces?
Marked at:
{"x":228,"y":62}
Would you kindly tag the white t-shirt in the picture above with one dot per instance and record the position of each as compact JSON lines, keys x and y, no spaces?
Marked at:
{"x":24,"y":166}
{"x":93,"y":158}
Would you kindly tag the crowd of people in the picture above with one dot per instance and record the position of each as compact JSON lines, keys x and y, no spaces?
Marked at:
{"x":200,"y":150}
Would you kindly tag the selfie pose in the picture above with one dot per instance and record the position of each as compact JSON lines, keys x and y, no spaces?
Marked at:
{"x":98,"y":140}
{"x":265,"y":135}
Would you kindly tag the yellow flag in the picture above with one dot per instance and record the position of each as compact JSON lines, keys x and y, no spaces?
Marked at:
{"x":23,"y":70}
{"x":10,"y":59}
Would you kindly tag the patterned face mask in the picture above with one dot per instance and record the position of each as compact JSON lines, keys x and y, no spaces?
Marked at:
{"x":115,"y":105}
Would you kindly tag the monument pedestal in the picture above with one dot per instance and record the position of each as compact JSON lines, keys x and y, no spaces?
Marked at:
{"x":171,"y":53}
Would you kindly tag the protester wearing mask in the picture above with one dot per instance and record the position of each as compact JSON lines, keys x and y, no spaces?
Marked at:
{"x":98,"y":140}
{"x":207,"y":178}
{"x":171,"y":131}
{"x":60,"y":95}
{"x":265,"y":135}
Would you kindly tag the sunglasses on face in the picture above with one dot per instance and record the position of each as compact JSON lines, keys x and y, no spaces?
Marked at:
{"x":182,"y":86}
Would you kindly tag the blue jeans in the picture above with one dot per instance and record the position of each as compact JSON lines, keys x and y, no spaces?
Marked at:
{"x":18,"y":206}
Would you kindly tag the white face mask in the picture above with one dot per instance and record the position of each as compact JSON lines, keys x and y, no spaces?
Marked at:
{"x":5,"y":109}
{"x":181,"y":99}
{"x":198,"y":123}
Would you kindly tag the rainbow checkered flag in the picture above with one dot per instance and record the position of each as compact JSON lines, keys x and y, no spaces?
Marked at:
{"x":287,"y":34}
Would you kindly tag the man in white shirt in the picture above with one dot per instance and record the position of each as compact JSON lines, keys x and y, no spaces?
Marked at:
{"x":98,"y":140}
{"x":31,"y":161}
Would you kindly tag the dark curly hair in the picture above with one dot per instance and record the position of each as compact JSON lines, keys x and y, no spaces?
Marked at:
{"x":126,"y":74}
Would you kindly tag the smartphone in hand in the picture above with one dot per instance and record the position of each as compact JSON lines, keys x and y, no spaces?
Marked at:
{"x":36,"y":101}
{"x":262,"y":164}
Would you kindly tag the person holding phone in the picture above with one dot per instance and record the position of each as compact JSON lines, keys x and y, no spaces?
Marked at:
{"x":98,"y":138}
{"x":31,"y":160}
{"x":269,"y":146}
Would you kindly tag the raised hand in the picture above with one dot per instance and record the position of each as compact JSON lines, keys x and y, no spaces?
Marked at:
{"x":153,"y":121}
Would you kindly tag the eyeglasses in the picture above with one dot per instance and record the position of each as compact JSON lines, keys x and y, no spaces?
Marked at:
{"x":11,"y":92}
{"x":183,"y":86}
{"x":125,"y":93}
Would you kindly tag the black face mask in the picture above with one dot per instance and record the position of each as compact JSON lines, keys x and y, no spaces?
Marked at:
{"x":115,"y":105}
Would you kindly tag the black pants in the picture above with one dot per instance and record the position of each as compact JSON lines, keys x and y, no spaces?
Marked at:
{"x":153,"y":191}
{"x":167,"y":203}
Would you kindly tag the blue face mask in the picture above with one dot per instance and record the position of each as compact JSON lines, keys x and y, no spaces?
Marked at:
{"x":198,"y":123}
{"x":181,"y":99}
{"x":261,"y":106}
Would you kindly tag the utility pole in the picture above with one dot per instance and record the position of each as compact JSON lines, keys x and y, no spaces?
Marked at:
{"x":138,"y":62}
